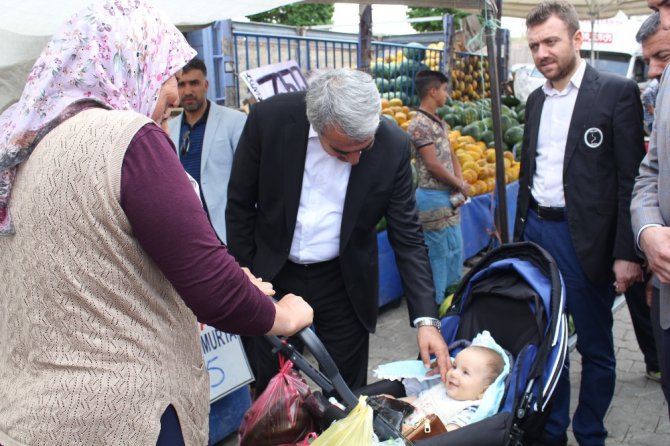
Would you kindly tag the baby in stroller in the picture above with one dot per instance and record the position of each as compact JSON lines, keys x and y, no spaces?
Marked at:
{"x":474,"y":369}
{"x":473,"y":389}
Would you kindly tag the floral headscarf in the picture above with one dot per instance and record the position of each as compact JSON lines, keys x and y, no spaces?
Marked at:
{"x":117,"y":53}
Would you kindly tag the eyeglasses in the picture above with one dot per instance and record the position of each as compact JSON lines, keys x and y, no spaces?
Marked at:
{"x":185,"y":143}
{"x":349,"y":152}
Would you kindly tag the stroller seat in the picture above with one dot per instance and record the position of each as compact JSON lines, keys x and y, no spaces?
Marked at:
{"x":516,"y":293}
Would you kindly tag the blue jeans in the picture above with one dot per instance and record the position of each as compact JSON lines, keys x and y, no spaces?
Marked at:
{"x":591,"y":308}
{"x":445,"y":245}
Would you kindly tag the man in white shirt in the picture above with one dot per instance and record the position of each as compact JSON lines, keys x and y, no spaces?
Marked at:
{"x":313,"y":174}
{"x":582,"y":145}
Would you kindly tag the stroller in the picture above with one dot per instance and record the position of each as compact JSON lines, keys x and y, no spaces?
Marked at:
{"x":515,"y":292}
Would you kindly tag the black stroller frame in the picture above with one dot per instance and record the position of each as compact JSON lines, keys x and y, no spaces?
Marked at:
{"x":511,"y":424}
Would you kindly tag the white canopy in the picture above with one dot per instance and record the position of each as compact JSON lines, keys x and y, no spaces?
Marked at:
{"x":27,"y":25}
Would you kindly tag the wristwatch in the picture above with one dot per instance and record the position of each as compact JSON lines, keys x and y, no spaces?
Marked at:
{"x":431,"y":321}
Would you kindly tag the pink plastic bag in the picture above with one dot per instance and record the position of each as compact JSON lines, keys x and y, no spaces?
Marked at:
{"x":278,"y":416}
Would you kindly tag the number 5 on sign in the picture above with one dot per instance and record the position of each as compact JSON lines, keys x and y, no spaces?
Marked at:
{"x":227,"y":364}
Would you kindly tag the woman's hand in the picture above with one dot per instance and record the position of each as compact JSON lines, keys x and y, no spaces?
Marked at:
{"x":265,"y":287}
{"x":293,"y":314}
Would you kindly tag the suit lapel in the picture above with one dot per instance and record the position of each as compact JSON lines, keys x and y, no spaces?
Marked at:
{"x":586,"y":97}
{"x":361,"y":177}
{"x":535,"y":113}
{"x":211,"y":129}
{"x":293,"y":141}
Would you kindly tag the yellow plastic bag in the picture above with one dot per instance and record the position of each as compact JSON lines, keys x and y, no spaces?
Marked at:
{"x":354,"y":430}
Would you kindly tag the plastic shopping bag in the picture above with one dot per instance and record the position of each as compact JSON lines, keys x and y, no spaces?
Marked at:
{"x":354,"y":430}
{"x":278,"y":416}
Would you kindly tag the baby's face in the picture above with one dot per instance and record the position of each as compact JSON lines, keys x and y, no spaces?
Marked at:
{"x":469,"y":376}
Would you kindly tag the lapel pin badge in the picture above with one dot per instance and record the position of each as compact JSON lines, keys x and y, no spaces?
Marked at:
{"x":593,"y":137}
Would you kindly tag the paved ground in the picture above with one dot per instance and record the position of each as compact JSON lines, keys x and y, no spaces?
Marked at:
{"x":638,"y":415}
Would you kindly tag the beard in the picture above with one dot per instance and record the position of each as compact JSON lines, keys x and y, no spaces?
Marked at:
{"x":563,"y":68}
{"x":192,"y":106}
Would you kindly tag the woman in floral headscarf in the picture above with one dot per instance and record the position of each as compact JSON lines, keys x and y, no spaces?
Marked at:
{"x":107,"y":253}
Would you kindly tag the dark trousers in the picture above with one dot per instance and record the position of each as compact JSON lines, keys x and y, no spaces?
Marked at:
{"x":664,"y":347}
{"x":655,"y":316}
{"x":640,"y":315}
{"x":335,"y":322}
{"x":170,"y":433}
{"x":591,"y":309}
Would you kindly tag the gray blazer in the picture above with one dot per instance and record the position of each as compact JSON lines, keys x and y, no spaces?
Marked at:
{"x":224,"y":126}
{"x":651,"y":195}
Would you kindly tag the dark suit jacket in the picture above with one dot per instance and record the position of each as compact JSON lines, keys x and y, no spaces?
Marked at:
{"x":264,"y":194}
{"x":597,"y":181}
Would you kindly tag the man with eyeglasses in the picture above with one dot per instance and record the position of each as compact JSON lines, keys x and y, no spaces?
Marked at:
{"x":205,"y":136}
{"x":313,"y":174}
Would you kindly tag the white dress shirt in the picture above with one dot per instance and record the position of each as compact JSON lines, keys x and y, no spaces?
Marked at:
{"x":324,"y":186}
{"x":557,"y":111}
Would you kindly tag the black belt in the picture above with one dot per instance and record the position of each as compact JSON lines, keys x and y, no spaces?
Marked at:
{"x":316,"y":265}
{"x":547,"y":212}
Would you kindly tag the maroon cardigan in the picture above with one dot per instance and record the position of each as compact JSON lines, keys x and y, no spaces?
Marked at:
{"x":170,"y":224}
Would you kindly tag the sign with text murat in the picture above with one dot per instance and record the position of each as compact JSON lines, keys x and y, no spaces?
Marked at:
{"x":269,"y":80}
{"x":225,"y":360}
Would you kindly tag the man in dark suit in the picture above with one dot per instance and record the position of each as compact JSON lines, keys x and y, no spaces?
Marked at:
{"x":313,"y":174}
{"x":583,"y":143}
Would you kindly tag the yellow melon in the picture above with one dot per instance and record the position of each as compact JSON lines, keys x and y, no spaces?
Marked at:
{"x":470,"y":176}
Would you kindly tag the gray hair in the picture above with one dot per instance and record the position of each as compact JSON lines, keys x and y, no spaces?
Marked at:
{"x":345,"y":100}
{"x":649,"y":27}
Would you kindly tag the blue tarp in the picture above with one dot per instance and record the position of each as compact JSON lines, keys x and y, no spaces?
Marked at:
{"x":477,"y":227}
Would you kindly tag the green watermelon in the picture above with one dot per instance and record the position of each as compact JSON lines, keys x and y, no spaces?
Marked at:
{"x":488,"y":136}
{"x":415,"y":51}
{"x":377,"y":70}
{"x":513,"y":135}
{"x":469,"y":115}
{"x":390,"y":70}
{"x":510,"y":101}
{"x":451,"y":119}
{"x":383,"y":85}
{"x":472,"y":130}
{"x":507,"y":122}
{"x":403,"y":83}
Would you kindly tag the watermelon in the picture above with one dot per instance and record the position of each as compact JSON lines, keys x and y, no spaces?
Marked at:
{"x":377,"y":70}
{"x":469,"y":115}
{"x":510,"y":101}
{"x":514,"y":135}
{"x":507,"y":122}
{"x":390,"y":70}
{"x":441,"y":111}
{"x":488,"y":136}
{"x":403,"y":83}
{"x":451,"y":119}
{"x":383,"y":85}
{"x":415,"y":51}
{"x":472,"y":130}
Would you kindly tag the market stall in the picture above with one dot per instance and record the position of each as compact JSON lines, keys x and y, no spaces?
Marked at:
{"x":479,"y":232}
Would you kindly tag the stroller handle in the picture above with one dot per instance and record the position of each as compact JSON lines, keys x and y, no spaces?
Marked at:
{"x":330,"y":379}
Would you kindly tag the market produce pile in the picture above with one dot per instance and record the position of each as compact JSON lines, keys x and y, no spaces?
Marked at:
{"x":394,"y":72}
{"x":471,"y":137}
